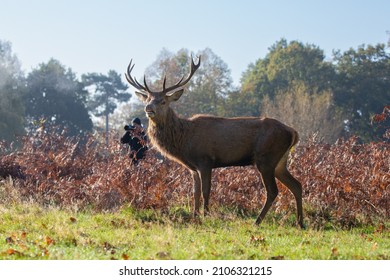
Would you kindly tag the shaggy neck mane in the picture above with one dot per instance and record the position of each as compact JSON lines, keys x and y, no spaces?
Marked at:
{"x":168,"y":135}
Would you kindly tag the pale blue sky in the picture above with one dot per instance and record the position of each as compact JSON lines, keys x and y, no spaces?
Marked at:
{"x":97,"y":35}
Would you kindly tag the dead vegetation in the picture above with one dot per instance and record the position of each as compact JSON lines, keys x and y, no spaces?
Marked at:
{"x":345,"y":184}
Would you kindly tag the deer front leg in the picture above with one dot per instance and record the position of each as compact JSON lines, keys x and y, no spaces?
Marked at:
{"x":205,"y":177}
{"x":197,"y":192}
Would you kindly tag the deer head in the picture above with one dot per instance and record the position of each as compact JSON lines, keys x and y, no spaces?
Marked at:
{"x":157,"y":102}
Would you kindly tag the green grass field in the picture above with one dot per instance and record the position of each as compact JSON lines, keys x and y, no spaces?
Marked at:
{"x":28,"y":231}
{"x":96,"y":197}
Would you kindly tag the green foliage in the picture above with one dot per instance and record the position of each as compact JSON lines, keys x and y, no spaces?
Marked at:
{"x":295,"y":61}
{"x":11,"y":90}
{"x":54,"y":95}
{"x":107,"y":91}
{"x":356,"y":79}
{"x":285,"y":63}
{"x":364,"y":87}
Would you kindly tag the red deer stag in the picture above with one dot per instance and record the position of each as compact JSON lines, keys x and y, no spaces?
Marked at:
{"x":204,"y":142}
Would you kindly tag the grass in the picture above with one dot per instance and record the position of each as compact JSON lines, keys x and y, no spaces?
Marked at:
{"x":29,"y":231}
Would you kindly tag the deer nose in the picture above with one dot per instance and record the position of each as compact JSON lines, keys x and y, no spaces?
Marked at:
{"x":149,"y":110}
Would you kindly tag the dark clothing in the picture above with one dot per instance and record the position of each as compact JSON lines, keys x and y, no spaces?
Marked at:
{"x":137,"y":144}
{"x":126,"y":138}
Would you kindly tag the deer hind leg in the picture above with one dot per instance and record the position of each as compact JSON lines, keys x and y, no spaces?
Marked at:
{"x":268,"y":177}
{"x":285,"y":177}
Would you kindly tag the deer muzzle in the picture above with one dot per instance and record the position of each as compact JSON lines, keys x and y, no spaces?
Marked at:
{"x":149,"y":111}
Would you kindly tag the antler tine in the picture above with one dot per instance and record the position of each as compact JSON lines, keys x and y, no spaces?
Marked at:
{"x":129,"y":69}
{"x":138,"y":85}
{"x":146,"y":85}
{"x":192,"y":62}
{"x":164,"y":82}
{"x":182,"y":83}
{"x":133,"y":81}
{"x":193,"y":65}
{"x":181,"y":79}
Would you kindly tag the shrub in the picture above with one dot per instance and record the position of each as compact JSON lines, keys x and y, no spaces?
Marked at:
{"x":347,"y":183}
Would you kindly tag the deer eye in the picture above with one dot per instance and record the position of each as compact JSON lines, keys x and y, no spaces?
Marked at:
{"x":163,"y":102}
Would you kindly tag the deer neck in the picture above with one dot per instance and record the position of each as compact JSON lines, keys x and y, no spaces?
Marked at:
{"x":169,"y":135}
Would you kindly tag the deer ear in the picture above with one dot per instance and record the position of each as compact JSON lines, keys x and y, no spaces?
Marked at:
{"x":175,"y":96}
{"x":141,"y":95}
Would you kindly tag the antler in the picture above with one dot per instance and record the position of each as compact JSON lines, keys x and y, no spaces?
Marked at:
{"x":134,"y":81}
{"x":180,"y":84}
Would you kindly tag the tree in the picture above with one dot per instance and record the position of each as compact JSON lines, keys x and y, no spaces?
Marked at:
{"x":242,"y":103}
{"x":123,"y":115}
{"x":11,"y":90}
{"x":108,"y":90}
{"x":56,"y":96}
{"x":309,"y":111}
{"x":209,"y":87}
{"x":285,"y":63}
{"x":363,"y":87}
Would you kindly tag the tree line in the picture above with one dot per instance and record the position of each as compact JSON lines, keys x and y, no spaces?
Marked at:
{"x":294,"y":82}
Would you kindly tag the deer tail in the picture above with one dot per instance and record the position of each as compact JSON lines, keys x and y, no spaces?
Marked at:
{"x":294,"y":140}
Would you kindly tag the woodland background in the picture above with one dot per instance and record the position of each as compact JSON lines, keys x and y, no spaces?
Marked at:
{"x":333,"y":98}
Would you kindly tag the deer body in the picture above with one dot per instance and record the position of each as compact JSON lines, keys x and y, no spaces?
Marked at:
{"x":219,"y":142}
{"x":204,"y":142}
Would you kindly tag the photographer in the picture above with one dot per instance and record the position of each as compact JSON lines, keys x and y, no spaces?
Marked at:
{"x":136,"y":138}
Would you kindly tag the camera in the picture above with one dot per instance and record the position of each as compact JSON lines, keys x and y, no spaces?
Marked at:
{"x":129,"y":127}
